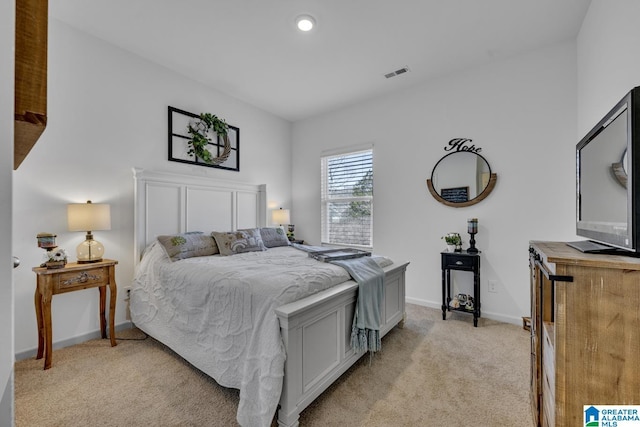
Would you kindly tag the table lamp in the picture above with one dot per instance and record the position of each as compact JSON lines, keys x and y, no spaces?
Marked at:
{"x":281,"y":216}
{"x":89,"y":217}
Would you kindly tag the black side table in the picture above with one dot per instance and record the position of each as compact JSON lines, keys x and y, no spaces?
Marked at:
{"x":465,"y":262}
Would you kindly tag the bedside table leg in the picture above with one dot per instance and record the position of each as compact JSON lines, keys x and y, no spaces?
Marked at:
{"x":103,"y":303}
{"x":113,"y":293}
{"x":476,"y":295}
{"x":40,"y":322}
{"x":46,"y":295}
{"x":444,"y":295}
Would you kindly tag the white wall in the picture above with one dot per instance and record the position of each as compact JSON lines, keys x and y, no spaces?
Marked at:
{"x":608,"y":60}
{"x":107,"y":113}
{"x":7,"y":28}
{"x":520,"y":111}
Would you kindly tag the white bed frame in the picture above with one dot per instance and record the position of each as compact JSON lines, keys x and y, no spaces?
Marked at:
{"x":315,"y":330}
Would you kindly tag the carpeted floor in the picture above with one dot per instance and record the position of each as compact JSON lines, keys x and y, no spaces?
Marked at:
{"x":431,"y":373}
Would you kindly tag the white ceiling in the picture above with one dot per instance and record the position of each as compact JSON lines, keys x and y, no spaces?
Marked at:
{"x":250,"y":49}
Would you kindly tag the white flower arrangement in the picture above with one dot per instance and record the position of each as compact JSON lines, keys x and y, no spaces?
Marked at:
{"x":56,"y":255}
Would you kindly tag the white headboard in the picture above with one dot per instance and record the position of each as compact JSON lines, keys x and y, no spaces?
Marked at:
{"x":168,"y":203}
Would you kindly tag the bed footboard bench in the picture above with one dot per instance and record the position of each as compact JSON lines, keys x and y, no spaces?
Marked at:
{"x":316,"y":332}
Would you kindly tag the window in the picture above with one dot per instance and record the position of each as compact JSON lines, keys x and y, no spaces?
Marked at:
{"x":347,"y":198}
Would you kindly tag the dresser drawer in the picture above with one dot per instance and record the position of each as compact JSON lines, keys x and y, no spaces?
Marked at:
{"x":73,"y":280}
{"x":459,"y":262}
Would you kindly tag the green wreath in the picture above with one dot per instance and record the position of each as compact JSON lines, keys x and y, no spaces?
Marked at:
{"x":199,"y":139}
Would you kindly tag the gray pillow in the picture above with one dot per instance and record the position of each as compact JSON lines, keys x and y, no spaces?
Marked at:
{"x":274,"y":237}
{"x":237,"y":242}
{"x":188,"y":245}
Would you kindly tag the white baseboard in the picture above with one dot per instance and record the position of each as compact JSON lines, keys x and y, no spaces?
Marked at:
{"x":489,"y":315}
{"x":72,"y":341}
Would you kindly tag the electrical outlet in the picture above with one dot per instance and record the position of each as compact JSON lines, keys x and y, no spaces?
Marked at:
{"x":127,"y":292}
{"x":493,"y":286}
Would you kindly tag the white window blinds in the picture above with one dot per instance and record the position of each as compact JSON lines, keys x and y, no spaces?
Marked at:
{"x":347,"y":199}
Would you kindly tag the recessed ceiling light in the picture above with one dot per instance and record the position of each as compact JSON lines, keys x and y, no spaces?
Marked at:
{"x":305,"y":22}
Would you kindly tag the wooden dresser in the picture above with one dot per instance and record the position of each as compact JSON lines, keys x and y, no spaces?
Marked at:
{"x":585,"y":332}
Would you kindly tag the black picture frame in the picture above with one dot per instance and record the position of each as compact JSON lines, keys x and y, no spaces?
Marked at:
{"x":178,"y":139}
{"x":455,"y":194}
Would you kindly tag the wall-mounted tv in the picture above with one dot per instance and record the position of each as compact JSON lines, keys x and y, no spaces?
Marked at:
{"x":608,"y":181}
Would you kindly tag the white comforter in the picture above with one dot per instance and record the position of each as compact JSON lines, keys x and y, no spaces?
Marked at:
{"x":218,"y":313}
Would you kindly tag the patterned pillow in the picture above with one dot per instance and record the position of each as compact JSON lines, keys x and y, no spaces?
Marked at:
{"x":188,"y":245}
{"x":274,"y":236}
{"x":237,"y":242}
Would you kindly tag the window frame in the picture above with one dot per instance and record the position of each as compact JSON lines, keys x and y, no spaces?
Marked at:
{"x":326,"y":198}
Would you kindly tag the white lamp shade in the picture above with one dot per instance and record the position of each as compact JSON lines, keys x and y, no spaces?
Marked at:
{"x":280,"y":216}
{"x":88,"y":216}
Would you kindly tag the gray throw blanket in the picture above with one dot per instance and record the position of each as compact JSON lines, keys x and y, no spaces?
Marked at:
{"x":365,"y":332}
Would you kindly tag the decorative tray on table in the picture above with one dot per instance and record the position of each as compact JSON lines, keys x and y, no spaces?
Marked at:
{"x":338,"y":254}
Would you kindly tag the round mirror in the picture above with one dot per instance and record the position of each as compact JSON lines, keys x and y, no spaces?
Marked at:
{"x":461,"y":178}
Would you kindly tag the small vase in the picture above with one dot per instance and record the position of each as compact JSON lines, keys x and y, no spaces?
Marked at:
{"x":451,"y":248}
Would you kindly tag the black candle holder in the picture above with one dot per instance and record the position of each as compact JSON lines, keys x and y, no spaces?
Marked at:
{"x":472,"y":244}
{"x":472,"y":229}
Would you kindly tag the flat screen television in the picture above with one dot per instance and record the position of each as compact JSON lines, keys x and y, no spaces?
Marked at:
{"x":608,"y":181}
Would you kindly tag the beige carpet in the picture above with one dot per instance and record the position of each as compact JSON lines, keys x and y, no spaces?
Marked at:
{"x":431,"y":373}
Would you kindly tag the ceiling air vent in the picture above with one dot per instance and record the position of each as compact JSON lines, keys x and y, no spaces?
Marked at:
{"x":397,"y":72}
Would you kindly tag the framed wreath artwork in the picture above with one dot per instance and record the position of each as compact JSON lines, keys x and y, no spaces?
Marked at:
{"x":203,"y":139}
